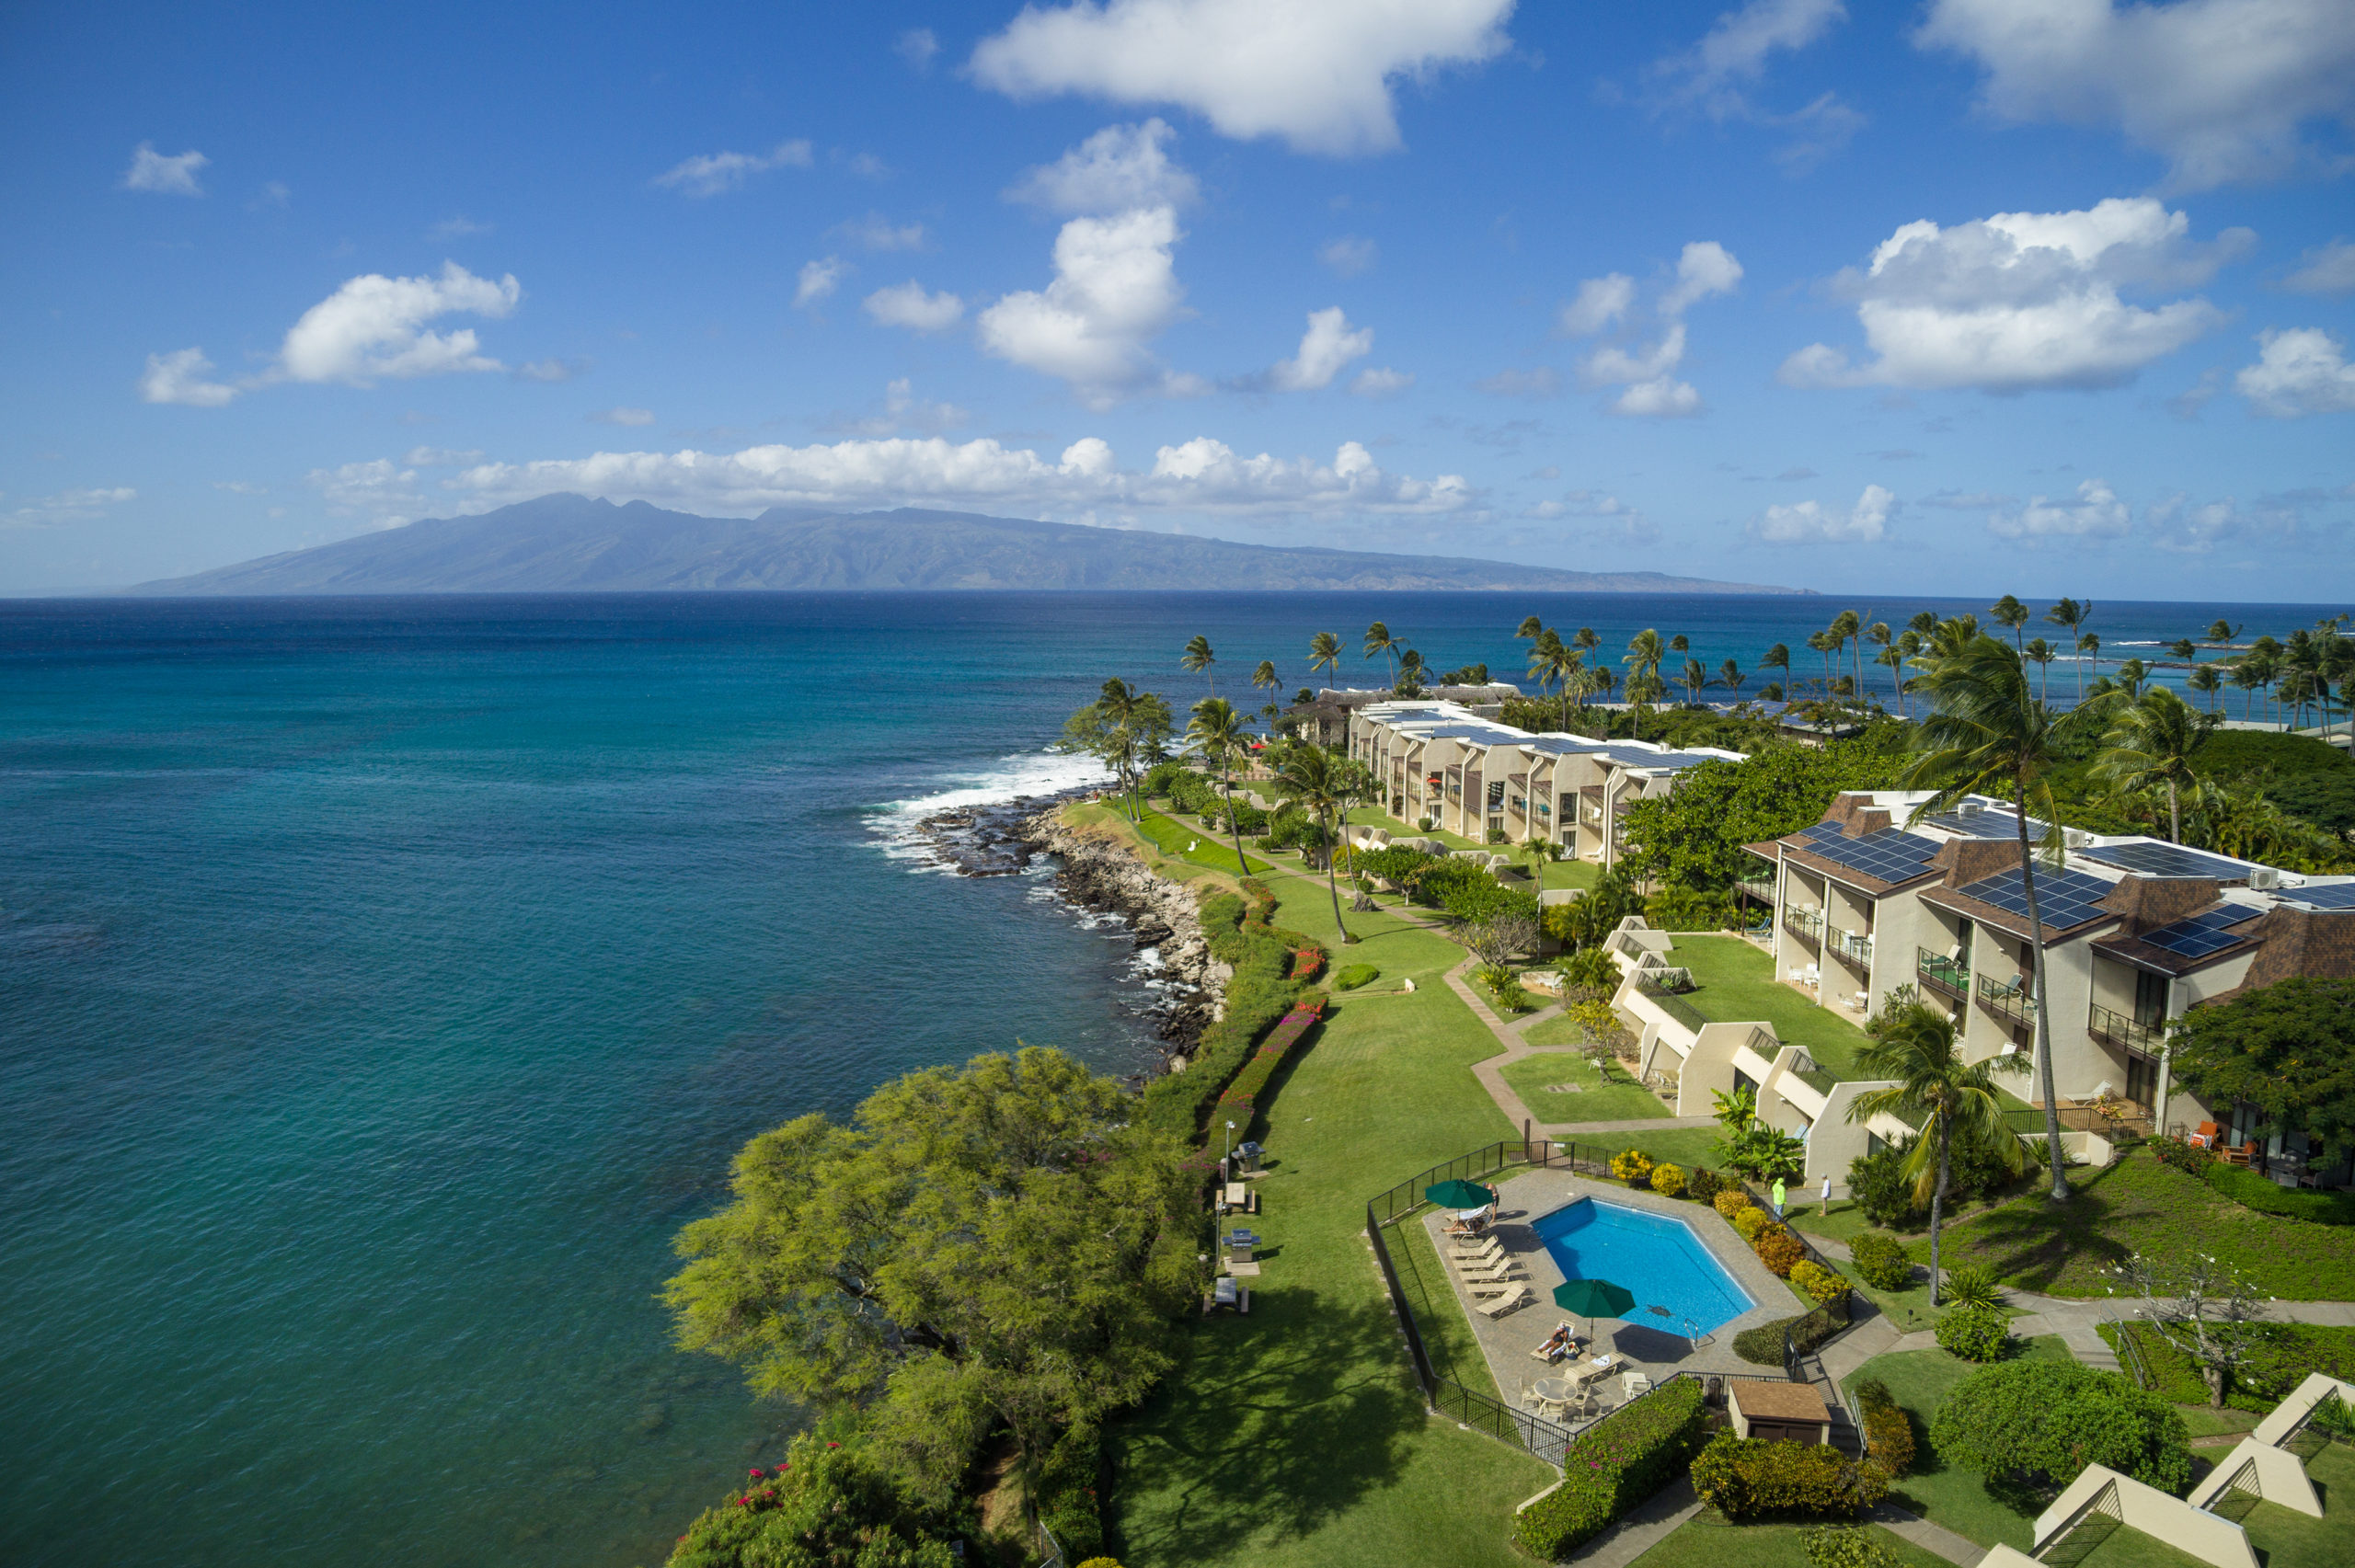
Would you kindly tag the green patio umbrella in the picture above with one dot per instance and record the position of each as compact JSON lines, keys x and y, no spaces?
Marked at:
{"x":1460,"y":1194}
{"x":1593,"y":1297}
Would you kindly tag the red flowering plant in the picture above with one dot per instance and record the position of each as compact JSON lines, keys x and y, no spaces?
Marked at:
{"x":827,"y":1504}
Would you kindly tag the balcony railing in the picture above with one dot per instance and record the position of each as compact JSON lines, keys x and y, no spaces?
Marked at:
{"x":2010,"y":1002}
{"x":1761,"y":888}
{"x":1661,"y":985}
{"x":2119,"y":1030}
{"x":1940,"y":973}
{"x":1803,"y":922}
{"x":1857,"y":949}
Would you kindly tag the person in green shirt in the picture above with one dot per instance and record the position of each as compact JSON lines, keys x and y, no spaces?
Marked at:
{"x":1780,"y":1194}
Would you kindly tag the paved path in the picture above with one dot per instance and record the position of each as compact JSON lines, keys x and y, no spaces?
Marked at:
{"x":1644,"y":1527}
{"x":1930,"y":1538}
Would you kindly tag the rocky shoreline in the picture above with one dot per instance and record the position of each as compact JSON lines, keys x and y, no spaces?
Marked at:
{"x":1098,"y":873}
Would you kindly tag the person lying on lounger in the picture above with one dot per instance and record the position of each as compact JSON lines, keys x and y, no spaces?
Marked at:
{"x":1561,"y":1342}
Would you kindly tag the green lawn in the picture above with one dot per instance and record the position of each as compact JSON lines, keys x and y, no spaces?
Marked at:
{"x":1216,"y":851}
{"x":2102,"y":1543}
{"x":1681,"y":1146}
{"x":1707,"y":1541}
{"x":1737,"y":985}
{"x":1556,"y":1031}
{"x":1621,"y":1099}
{"x":1296,"y":1437}
{"x":2286,"y":1538}
{"x":1375,"y":817}
{"x":1572,"y":873}
{"x":2141,"y":1205}
{"x":1919,"y":1381}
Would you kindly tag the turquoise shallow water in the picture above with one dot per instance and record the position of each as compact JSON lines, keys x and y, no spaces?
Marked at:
{"x":383,"y":983}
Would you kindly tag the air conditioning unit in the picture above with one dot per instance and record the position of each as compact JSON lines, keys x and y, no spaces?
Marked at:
{"x":1969,"y":808}
{"x":2264,"y":878}
{"x":2075,"y":838}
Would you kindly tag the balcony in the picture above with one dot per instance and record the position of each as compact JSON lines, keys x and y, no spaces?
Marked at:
{"x":2116,"y":1029}
{"x":1857,"y":949}
{"x":1761,"y":888}
{"x":1661,"y":986}
{"x":2009,"y":1002}
{"x":1948,"y":977}
{"x":1804,"y":923}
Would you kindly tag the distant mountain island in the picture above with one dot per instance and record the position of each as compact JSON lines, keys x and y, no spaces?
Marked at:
{"x":567,"y":544}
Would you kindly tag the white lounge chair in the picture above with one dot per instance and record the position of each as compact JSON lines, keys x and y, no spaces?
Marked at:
{"x":1633,"y":1384}
{"x":1478,"y":1288}
{"x":1508,"y":1270}
{"x":1465,"y":1247}
{"x":1520,"y":1297}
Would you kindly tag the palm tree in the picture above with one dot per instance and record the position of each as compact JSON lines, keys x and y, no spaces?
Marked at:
{"x":2221,"y":633}
{"x":1198,"y":659}
{"x":2186,"y":649}
{"x":1924,"y":621}
{"x":2008,"y":612}
{"x":2088,"y":647}
{"x":1821,"y":643}
{"x":1265,"y":677}
{"x":1588,"y":642}
{"x":1122,"y":706}
{"x":1955,"y":1103}
{"x":2041,"y":654}
{"x":2071,"y":615}
{"x":2133,"y":676}
{"x":1879,"y":635}
{"x":1985,"y":732}
{"x":1645,"y":651}
{"x":1894,"y":658}
{"x":1771,"y":693}
{"x":1599,"y":680}
{"x":1731,"y":676}
{"x":1327,"y":787}
{"x":1380,"y":644}
{"x":1530,"y":628}
{"x":1775,"y":657}
{"x":2151,"y":741}
{"x":2204,"y":680}
{"x":1220,"y":734}
{"x":1552,"y":660}
{"x":2248,"y":674}
{"x":1680,"y":644}
{"x":1696,"y":680}
{"x":1324,"y":654}
{"x":1847,"y":628}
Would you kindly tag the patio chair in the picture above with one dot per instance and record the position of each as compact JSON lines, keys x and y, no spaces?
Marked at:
{"x":2206,"y":1137}
{"x":1633,"y":1384}
{"x":1519,"y":1297}
{"x":1506,"y":1270}
{"x":1486,"y":1257}
{"x":1461,"y":1245}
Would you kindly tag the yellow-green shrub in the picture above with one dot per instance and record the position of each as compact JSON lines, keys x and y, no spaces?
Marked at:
{"x":1819,"y":1282}
{"x":1750,"y":1221}
{"x":1731,"y":1201}
{"x":1667,"y":1180}
{"x":1631,"y":1165}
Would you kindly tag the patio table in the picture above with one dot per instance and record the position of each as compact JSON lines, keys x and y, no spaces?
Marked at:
{"x":1554,"y":1390}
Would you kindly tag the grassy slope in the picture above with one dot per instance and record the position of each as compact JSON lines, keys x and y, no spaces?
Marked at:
{"x":1583,"y":873}
{"x":1738,"y":984}
{"x":1707,"y":1541}
{"x":1919,"y":1381}
{"x":1296,"y":1437}
{"x":2286,"y":1538}
{"x":1617,"y":1101}
{"x":1375,"y":817}
{"x":2141,"y":1205}
{"x":2127,"y":1547}
{"x":1215,"y":851}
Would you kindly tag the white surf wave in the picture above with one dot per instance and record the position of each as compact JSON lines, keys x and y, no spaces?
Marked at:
{"x":1024,"y":773}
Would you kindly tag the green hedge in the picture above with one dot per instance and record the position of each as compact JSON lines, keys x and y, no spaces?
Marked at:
{"x":1762,"y":1346}
{"x":1261,"y":992}
{"x":1615,"y":1464}
{"x":1881,"y":1261}
{"x":1356,"y":975}
{"x":1976,"y":1333}
{"x":1753,"y":1478}
{"x":1241,"y":1096}
{"x":1888,"y":1431}
{"x":2251,"y":1190}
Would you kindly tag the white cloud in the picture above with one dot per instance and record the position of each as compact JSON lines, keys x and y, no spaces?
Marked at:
{"x":1316,"y":73}
{"x":918,"y":46}
{"x":2180,"y":528}
{"x":1810,"y":522}
{"x":241,"y":488}
{"x":1542,"y":381}
{"x":2097,"y":513}
{"x":1118,"y":169}
{"x":69,"y":505}
{"x":1348,"y":254}
{"x":906,"y":304}
{"x":1600,"y":302}
{"x":2023,"y":300}
{"x":819,"y":278}
{"x":2325,"y":270}
{"x":1199,"y":476}
{"x":1381,"y":381}
{"x":877,"y":232}
{"x":1736,"y":49}
{"x":374,"y":327}
{"x":1325,"y":349}
{"x":1652,"y":390}
{"x":2222,"y":88}
{"x":551,"y":370}
{"x":159,"y":176}
{"x":179,"y":377}
{"x":382,"y":491}
{"x":437,"y":457}
{"x":1630,"y":523}
{"x":1661,"y":397}
{"x":1705,"y":267}
{"x":1115,"y":290}
{"x":709,"y":174}
{"x":273,"y":194}
{"x":623,"y":416}
{"x":867,"y":166}
{"x":2302,"y":370}
{"x":457,"y":226}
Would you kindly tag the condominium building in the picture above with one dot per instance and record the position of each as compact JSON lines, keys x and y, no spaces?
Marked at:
{"x":1476,"y":777}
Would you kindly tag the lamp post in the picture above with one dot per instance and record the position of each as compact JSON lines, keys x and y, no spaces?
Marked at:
{"x":1227,"y":1162}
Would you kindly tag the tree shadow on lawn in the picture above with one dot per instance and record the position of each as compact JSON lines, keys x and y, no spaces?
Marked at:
{"x":1277,"y":1424}
{"x":2036,"y":1243}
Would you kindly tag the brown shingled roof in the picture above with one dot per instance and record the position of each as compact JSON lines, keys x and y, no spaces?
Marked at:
{"x":1780,"y":1401}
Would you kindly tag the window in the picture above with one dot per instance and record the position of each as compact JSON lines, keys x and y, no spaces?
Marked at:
{"x":1495,"y":797}
{"x":2150,"y":1000}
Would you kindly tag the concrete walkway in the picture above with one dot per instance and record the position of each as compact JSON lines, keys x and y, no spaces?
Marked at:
{"x":1643,"y":1527}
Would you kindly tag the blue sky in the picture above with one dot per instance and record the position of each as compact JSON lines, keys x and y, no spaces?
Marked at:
{"x":1974,"y":296}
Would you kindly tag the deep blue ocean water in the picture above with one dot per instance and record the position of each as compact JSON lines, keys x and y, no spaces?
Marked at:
{"x":384,"y":982}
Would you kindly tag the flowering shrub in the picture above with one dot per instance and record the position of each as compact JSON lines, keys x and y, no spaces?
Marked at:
{"x":1613,"y":1465}
{"x":1730,"y":1202}
{"x":1748,"y":1478}
{"x":1243,"y":1095}
{"x":1975,"y":1334}
{"x":825,"y":1503}
{"x":1261,"y":991}
{"x":1631,"y":1165}
{"x":1779,"y":1251}
{"x":1667,"y":1180}
{"x":1819,"y":1282}
{"x":1308,"y":963}
{"x":1750,"y":1221}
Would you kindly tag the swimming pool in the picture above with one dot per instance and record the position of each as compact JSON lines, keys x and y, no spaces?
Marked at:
{"x":1654,"y":1256}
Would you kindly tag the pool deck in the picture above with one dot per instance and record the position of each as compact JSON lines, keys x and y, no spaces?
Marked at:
{"x":1508,"y":1341}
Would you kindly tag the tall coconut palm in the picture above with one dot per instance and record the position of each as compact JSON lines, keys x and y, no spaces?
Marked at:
{"x":2072,"y":616}
{"x":1731,"y":676}
{"x":1265,"y":677}
{"x":2088,"y":647}
{"x":1324,"y":654}
{"x":1198,"y":659}
{"x":1380,"y":644}
{"x":2221,"y":633}
{"x":2133,"y":676}
{"x":1956,"y":1104}
{"x":1530,"y":627}
{"x":1771,"y":693}
{"x":1645,"y":651}
{"x":1122,"y":709}
{"x":2041,"y":654}
{"x":2248,"y":674}
{"x":1775,"y":657}
{"x":1821,"y":643}
{"x":2011,"y":614}
{"x":1849,"y":627}
{"x":2151,"y":742}
{"x":1695,"y":680}
{"x":1985,"y":732}
{"x":1923,"y":623}
{"x":1680,"y":644}
{"x":1880,"y":636}
{"x":2204,"y":680}
{"x":1587,"y":641}
{"x":1893,"y":657}
{"x":1222,"y":736}
{"x":1326,"y":786}
{"x":1553,"y":660}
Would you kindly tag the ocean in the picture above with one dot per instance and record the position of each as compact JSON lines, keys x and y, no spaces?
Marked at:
{"x":384,"y":982}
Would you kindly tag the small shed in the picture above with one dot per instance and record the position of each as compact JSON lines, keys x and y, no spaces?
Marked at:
{"x":1792,"y":1412}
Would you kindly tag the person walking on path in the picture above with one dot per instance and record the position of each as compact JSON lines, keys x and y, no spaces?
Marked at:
{"x":1780,"y":1194}
{"x":1825,"y":1210}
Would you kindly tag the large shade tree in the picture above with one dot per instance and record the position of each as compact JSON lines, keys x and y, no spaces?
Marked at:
{"x":2287,"y":1049}
{"x":1001,"y":1247}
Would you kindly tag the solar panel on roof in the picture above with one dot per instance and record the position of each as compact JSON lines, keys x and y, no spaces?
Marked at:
{"x":1984,"y":824}
{"x":2151,"y":858}
{"x":2211,"y":931}
{"x":2330,"y":896}
{"x":1887,"y":855}
{"x":2063,"y":899}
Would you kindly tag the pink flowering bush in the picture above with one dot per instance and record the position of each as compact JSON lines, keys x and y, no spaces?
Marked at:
{"x":826,"y":1503}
